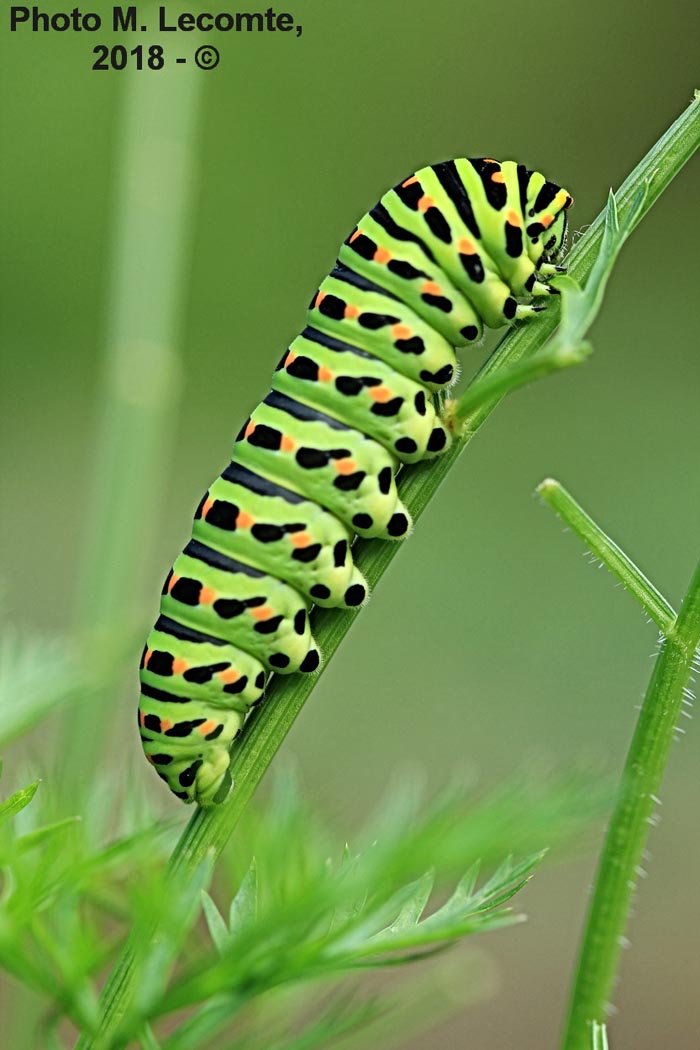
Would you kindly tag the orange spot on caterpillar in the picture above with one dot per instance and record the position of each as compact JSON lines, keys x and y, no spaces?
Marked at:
{"x":490,"y":160}
{"x":351,"y":311}
{"x":287,"y":444}
{"x":409,"y":182}
{"x":244,"y":520}
{"x":173,"y":581}
{"x":229,"y":675}
{"x":147,"y":657}
{"x":263,"y":612}
{"x":380,"y":393}
{"x":400,"y":331}
{"x":249,"y":429}
{"x":207,"y":596}
{"x":547,"y":220}
{"x":466,"y":246}
{"x":142,"y":717}
{"x":150,"y":758}
{"x":207,"y":727}
{"x":354,"y":235}
{"x":324,"y":374}
{"x":513,"y":218}
{"x":319,"y":298}
{"x":290,"y":359}
{"x":179,"y":666}
{"x":426,"y":202}
{"x":300,"y":539}
{"x":165,"y":724}
{"x":430,"y":288}
{"x":498,"y":176}
{"x":345,"y":466}
{"x":382,"y":255}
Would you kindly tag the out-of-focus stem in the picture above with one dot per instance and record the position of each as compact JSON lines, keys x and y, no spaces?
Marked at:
{"x":141,"y":374}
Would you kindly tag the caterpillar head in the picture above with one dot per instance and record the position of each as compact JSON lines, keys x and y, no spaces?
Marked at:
{"x":546,"y":219}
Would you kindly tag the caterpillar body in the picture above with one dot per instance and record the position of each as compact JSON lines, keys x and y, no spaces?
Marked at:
{"x":458,"y":245}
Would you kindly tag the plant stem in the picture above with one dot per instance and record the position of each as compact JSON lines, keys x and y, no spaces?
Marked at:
{"x":208,"y":830}
{"x":141,"y":376}
{"x":615,"y":559}
{"x":629,"y":828}
{"x":496,"y":384}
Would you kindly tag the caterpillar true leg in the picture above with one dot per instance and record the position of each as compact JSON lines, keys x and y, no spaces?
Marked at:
{"x":448,"y":250}
{"x":539,"y":288}
{"x":548,"y":270}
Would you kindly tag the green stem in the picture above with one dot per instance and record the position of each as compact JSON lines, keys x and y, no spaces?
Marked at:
{"x":209,"y":830}
{"x":141,"y":380}
{"x":615,"y":559}
{"x":629,"y":828}
{"x":496,"y":384}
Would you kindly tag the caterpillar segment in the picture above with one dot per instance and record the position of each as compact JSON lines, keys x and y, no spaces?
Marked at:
{"x":326,"y":461}
{"x":192,"y":665}
{"x":365,"y":393}
{"x":281,"y":533}
{"x":367,"y":317}
{"x":404,"y":269}
{"x":247,"y":608}
{"x":457,"y":243}
{"x":456,"y":246}
{"x":180,"y":667}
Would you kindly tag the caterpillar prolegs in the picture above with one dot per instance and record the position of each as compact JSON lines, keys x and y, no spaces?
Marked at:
{"x":458,"y":245}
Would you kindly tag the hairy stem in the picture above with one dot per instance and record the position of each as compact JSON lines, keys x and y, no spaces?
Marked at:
{"x":629,"y":827}
{"x":209,"y":830}
{"x":615,"y":559}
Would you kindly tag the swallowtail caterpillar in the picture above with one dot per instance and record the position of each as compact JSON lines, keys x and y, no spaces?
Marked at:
{"x":458,"y":245}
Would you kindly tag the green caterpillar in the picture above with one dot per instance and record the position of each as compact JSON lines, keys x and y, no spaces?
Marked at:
{"x":449,"y":250}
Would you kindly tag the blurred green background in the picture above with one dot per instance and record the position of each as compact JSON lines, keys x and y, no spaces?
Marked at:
{"x":533,"y":658}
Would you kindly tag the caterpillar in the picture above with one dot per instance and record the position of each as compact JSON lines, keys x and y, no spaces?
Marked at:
{"x":457,"y":246}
